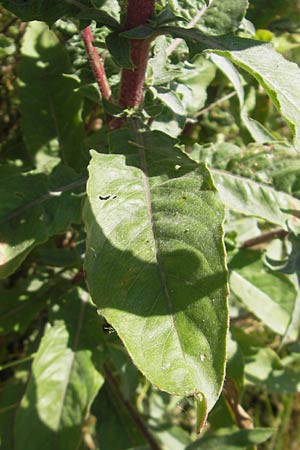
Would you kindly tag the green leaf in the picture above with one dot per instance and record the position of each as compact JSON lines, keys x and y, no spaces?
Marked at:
{"x":45,"y":10}
{"x":51,"y":111}
{"x":119,"y":49}
{"x":230,"y":439}
{"x":197,"y":78}
{"x":167,"y":16}
{"x":64,"y":379}
{"x":279,"y":77}
{"x":268,"y":295}
{"x":257,"y":131}
{"x":100,"y":17}
{"x":34,"y":207}
{"x":254,"y":199}
{"x":264,"y":367}
{"x":155,"y":262}
{"x":141,"y":32}
{"x":170,"y":99}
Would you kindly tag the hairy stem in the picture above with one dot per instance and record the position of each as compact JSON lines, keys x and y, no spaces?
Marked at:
{"x":96,"y":62}
{"x":132,"y":80}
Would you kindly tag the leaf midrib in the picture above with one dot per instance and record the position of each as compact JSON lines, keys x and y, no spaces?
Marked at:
{"x":83,"y":303}
{"x":147,"y":191}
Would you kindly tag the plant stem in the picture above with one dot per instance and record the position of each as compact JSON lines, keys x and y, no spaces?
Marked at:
{"x":216,"y":103}
{"x":17,"y":362}
{"x":96,"y":62}
{"x":265,"y":237}
{"x":136,"y":418}
{"x":132,"y":80}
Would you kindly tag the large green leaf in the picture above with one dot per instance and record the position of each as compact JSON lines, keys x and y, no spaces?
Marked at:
{"x":64,"y":379}
{"x":33,"y":207}
{"x":155,"y":263}
{"x":279,"y":77}
{"x":213,"y":16}
{"x":254,"y":199}
{"x":51,"y":109}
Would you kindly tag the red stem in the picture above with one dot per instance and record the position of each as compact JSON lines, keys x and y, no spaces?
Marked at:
{"x":132,"y":80}
{"x":96,"y":62}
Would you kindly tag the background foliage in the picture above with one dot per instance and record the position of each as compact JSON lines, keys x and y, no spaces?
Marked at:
{"x":230,"y":141}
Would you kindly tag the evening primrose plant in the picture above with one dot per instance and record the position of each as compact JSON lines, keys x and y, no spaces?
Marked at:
{"x":149,"y":191}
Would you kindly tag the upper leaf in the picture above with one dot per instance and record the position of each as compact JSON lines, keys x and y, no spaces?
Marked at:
{"x":155,"y":263}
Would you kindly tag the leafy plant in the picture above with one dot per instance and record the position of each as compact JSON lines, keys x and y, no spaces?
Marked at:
{"x":150,"y":168}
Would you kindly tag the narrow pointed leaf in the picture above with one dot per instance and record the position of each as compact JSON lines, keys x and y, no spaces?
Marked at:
{"x":155,"y":266}
{"x":64,"y":380}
